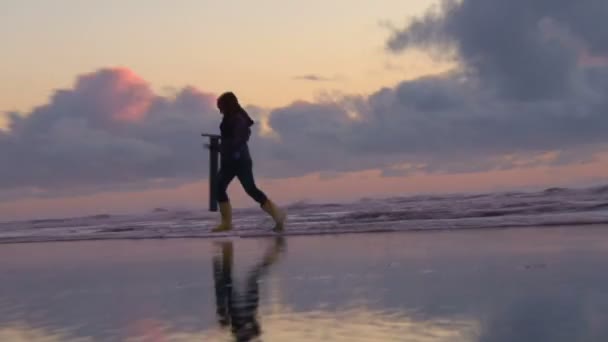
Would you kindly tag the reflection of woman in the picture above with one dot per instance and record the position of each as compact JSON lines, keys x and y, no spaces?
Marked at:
{"x":239,"y":310}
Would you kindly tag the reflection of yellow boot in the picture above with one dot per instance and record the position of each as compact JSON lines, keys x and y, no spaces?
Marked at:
{"x":272,"y":255}
{"x":277,"y":214}
{"x":226,"y":214}
{"x":227,"y":254}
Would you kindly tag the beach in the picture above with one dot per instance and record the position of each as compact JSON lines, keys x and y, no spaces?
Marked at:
{"x":524,"y":284}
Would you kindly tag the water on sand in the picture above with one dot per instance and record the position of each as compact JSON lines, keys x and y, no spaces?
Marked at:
{"x":501,"y":285}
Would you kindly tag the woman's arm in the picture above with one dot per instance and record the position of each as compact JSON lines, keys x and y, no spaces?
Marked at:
{"x":240,"y":133}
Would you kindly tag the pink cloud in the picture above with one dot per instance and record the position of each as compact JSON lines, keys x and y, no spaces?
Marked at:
{"x":109,"y":117}
{"x":120,"y":94}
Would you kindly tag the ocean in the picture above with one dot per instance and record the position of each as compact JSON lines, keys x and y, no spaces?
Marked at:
{"x":551,"y":207}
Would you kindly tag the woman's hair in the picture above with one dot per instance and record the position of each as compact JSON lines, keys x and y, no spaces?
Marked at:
{"x":228,"y":101}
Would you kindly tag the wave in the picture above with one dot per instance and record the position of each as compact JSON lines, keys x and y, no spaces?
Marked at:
{"x":550,"y":207}
{"x":600,"y":190}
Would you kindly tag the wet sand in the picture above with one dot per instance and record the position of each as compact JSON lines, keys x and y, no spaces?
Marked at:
{"x":544,"y":284}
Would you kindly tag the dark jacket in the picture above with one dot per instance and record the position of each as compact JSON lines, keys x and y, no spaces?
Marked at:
{"x":235,"y":132}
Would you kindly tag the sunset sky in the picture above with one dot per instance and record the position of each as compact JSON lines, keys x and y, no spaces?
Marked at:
{"x":103,"y":102}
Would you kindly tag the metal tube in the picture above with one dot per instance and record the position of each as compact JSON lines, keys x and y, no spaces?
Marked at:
{"x":213,"y":172}
{"x":214,"y":147}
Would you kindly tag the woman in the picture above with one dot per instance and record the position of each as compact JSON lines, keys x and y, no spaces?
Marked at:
{"x":236,"y":162}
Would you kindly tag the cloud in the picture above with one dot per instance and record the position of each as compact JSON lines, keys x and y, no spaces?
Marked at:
{"x":534,"y":72}
{"x":443,"y":124}
{"x":532,"y":80}
{"x":314,"y":78}
{"x":109,"y":131}
{"x":522,"y":48}
{"x":447,"y":122}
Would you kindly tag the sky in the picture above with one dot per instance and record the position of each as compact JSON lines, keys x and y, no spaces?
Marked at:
{"x":257,"y":48}
{"x":103,"y":103}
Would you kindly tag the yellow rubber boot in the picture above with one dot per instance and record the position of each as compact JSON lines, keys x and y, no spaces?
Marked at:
{"x":277,"y":215}
{"x":226,"y":214}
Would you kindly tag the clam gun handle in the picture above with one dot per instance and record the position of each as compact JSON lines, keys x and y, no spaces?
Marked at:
{"x":214,"y":143}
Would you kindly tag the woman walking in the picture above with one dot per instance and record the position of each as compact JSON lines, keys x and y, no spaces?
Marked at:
{"x":236,"y":162}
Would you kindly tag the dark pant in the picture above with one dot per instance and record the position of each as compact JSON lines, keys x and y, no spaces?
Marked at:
{"x":242,"y":169}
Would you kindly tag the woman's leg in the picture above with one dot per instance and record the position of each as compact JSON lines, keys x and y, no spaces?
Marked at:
{"x":245,"y":175}
{"x":226,"y":175}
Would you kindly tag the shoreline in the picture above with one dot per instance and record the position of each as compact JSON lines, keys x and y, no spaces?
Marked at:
{"x":264,"y":234}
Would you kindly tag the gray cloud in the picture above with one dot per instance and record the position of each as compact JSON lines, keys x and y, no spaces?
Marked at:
{"x":523,"y":48}
{"x":448,"y":123}
{"x":523,"y":88}
{"x":109,"y":131}
{"x":315,"y":78}
{"x":443,"y":123}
